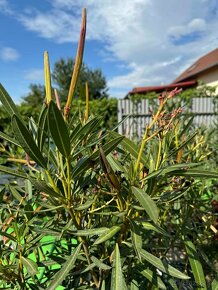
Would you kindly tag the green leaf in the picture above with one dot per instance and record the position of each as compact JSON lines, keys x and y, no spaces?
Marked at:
{"x":214,"y":284}
{"x":134,"y":285}
{"x":153,"y":278}
{"x":58,"y":129}
{"x":196,"y":266}
{"x":172,"y":284}
{"x":30,"y":265}
{"x":147,"y":202}
{"x":155,"y":228}
{"x":169,"y":170}
{"x":42,"y":127}
{"x":82,"y":132}
{"x":27,"y":142}
{"x":107,"y":147}
{"x":86,"y":163}
{"x":195,"y":173}
{"x":7,"y":102}
{"x":186,"y":127}
{"x":65,"y":269}
{"x":10,"y":237}
{"x":91,"y":232}
{"x":132,"y":148}
{"x":108,"y":170}
{"x":41,"y":185}
{"x":103,"y":285}
{"x":13,"y":172}
{"x":84,"y":206}
{"x":136,"y":238}
{"x":117,"y":282}
{"x":106,"y":236}
{"x":183,"y":144}
{"x":17,"y":195}
{"x":100,"y":264}
{"x":168,"y":269}
{"x":9,"y":139}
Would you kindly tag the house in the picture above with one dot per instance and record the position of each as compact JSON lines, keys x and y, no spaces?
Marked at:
{"x":138,"y":113}
{"x":205,"y":69}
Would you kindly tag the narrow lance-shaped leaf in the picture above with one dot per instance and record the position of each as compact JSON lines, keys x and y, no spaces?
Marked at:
{"x":86,"y":163}
{"x":30,"y":265}
{"x":42,"y":127}
{"x":58,"y":129}
{"x":47,"y":78}
{"x":147,"y":202}
{"x":195,"y":173}
{"x":41,"y":185}
{"x":7,"y":102}
{"x":117,"y":282}
{"x":65,"y":269}
{"x":108,"y":170}
{"x":168,"y":269}
{"x":100,"y":264}
{"x":108,"y":235}
{"x":26,"y":141}
{"x":155,"y":228}
{"x":9,"y":139}
{"x":91,"y":232}
{"x":152,"y":277}
{"x":17,"y":195}
{"x":13,"y":172}
{"x":136,"y":238}
{"x":196,"y":266}
{"x":131,"y":148}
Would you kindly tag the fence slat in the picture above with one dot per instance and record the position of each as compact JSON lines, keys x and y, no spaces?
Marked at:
{"x":139,"y":115}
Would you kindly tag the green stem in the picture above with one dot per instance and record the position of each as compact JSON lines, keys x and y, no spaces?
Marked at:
{"x":159,"y":154}
{"x":52,"y":181}
{"x":145,"y":139}
{"x":68,"y":179}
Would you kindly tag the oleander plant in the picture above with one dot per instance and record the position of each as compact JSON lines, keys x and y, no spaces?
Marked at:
{"x":87,"y":208}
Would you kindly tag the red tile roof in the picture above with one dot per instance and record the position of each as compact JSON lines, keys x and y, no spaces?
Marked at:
{"x":202,"y":64}
{"x":159,"y":89}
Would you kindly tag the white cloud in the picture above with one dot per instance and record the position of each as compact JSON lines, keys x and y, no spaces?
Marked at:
{"x":195,"y":25}
{"x":35,"y":75}
{"x":134,"y":32}
{"x":4,"y":7}
{"x":9,"y":54}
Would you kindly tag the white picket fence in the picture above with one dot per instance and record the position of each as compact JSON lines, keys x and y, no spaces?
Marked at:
{"x":138,"y":114}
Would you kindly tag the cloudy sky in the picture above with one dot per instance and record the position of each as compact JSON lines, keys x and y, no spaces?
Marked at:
{"x":134,"y":42}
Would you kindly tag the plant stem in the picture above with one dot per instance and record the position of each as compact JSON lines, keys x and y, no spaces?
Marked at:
{"x":145,"y":139}
{"x":68,"y":179}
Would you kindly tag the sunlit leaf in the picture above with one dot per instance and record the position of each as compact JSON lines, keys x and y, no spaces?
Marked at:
{"x":168,"y":269}
{"x":100,"y":264}
{"x":117,"y":280}
{"x":30,"y":265}
{"x":152,"y":276}
{"x":65,"y":269}
{"x":108,"y":235}
{"x":196,"y":266}
{"x":58,"y":129}
{"x":147,"y":202}
{"x":7,"y":102}
{"x":27,"y":142}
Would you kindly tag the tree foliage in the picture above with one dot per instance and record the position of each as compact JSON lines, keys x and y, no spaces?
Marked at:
{"x":35,"y":97}
{"x":62,"y":76}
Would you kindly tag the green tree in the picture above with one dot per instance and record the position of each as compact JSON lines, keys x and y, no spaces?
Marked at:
{"x":62,"y":77}
{"x":35,"y":97}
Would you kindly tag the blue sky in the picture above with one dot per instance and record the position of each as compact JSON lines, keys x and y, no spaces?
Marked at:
{"x":134,"y":42}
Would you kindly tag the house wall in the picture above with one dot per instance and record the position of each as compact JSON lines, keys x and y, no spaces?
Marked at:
{"x":210,"y":77}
